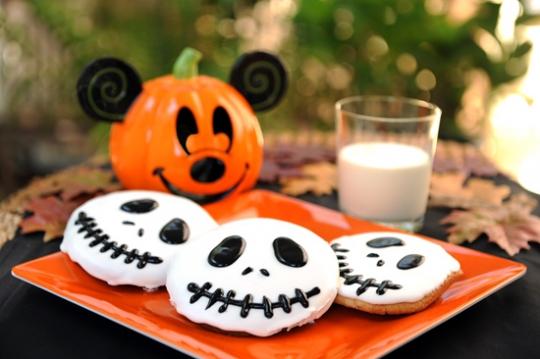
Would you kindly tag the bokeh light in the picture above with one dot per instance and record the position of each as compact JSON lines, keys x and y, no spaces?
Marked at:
{"x":458,"y":54}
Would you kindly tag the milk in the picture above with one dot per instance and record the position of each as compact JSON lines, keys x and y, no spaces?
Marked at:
{"x":386,"y":182}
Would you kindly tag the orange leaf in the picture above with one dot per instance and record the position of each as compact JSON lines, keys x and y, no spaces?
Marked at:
{"x":450,"y":190}
{"x":86,"y":180}
{"x":50,"y":215}
{"x":318,"y":178}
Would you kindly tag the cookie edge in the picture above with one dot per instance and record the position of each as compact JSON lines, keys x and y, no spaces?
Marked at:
{"x":399,"y":308}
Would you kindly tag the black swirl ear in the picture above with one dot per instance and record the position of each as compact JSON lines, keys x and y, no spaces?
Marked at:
{"x":262,"y":79}
{"x":106,"y":89}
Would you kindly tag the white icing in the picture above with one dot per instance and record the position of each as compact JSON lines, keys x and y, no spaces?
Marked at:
{"x":415,"y":283}
{"x":191,"y":266}
{"x":109,"y":217}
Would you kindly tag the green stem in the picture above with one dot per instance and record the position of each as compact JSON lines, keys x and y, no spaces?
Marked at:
{"x":186,"y":66}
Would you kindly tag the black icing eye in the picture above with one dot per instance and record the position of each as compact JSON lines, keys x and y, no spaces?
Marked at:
{"x":185,"y":126}
{"x":289,"y":252}
{"x":144,"y":205}
{"x":174,"y":232}
{"x":221,"y":123}
{"x":227,"y":252}
{"x":383,"y":242}
{"x":410,"y":261}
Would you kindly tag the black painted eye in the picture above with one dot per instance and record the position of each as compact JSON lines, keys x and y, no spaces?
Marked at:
{"x":227,"y":252}
{"x":410,"y":261}
{"x":289,"y":252}
{"x":383,"y":242}
{"x":174,"y":232}
{"x":186,"y":125}
{"x":221,"y":123}
{"x":144,"y":205}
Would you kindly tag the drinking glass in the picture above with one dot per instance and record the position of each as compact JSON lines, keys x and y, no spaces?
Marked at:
{"x":385,"y":148}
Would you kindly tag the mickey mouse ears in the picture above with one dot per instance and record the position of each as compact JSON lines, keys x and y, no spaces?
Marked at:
{"x":107,"y":87}
{"x":261,"y":78}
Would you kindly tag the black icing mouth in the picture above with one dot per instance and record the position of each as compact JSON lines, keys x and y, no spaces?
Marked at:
{"x":351,"y":279}
{"x":199,"y":198}
{"x":89,"y":225}
{"x":247,"y":303}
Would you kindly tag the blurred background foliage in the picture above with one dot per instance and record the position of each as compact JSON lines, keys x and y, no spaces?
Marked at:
{"x":451,"y":52}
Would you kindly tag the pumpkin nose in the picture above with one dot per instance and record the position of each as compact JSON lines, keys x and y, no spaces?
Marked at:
{"x":208,"y":169}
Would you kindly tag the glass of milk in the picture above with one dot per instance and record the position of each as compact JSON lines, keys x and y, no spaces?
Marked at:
{"x":385,"y":148}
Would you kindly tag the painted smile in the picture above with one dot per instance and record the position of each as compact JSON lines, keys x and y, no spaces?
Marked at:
{"x":246,"y":304}
{"x":199,"y":198}
{"x":89,"y":226}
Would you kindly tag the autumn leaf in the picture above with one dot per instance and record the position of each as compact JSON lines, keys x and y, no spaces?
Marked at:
{"x":272,"y":172}
{"x":450,"y":190}
{"x":87,"y":178}
{"x":71,"y":186}
{"x":511,"y":226}
{"x":8,"y":226}
{"x":462,"y":157}
{"x":84,"y":180}
{"x":50,"y":215}
{"x":318,"y":178}
{"x":285,"y":154}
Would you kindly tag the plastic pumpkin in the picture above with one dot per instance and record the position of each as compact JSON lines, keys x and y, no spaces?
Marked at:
{"x":194,"y":136}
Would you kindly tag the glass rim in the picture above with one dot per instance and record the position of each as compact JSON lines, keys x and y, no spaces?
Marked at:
{"x":411,"y":101}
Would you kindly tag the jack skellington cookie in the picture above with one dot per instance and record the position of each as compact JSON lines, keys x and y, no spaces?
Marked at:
{"x":392,"y":273}
{"x":129,"y":237}
{"x":257,"y":276}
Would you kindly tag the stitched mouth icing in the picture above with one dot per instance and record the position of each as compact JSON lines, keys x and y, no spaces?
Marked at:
{"x":89,"y":225}
{"x":246,"y":304}
{"x":351,"y":279}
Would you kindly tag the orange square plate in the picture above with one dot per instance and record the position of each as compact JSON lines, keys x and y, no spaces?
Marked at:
{"x":340,"y":333}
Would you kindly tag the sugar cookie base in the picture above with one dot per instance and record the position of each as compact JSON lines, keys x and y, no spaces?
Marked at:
{"x":398,"y":308}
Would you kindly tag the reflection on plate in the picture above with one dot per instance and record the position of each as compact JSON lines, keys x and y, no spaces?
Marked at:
{"x":340,"y":333}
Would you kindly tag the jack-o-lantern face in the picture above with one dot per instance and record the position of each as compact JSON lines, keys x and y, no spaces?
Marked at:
{"x":193,"y":136}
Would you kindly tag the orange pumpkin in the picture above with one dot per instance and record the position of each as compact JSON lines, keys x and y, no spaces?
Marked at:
{"x":194,"y":136}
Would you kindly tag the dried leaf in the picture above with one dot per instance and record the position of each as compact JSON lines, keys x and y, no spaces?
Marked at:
{"x":8,"y":226}
{"x":299,"y":186}
{"x":511,"y":226}
{"x":461,"y":157}
{"x":50,"y":215}
{"x":86,"y":178}
{"x":71,"y":186}
{"x":449,"y":190}
{"x":285,"y":154}
{"x":271,"y":172}
{"x":318,"y":178}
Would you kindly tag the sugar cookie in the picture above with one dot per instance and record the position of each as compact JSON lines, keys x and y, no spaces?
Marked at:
{"x":128,"y":237}
{"x":392,"y":273}
{"x":257,"y":276}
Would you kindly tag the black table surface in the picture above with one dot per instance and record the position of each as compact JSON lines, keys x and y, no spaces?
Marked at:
{"x":36,"y":324}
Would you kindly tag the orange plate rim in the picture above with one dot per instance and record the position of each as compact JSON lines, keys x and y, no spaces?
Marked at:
{"x":274,"y":203}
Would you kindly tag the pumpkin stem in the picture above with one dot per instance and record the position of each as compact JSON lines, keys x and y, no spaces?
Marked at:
{"x":186,"y":66}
